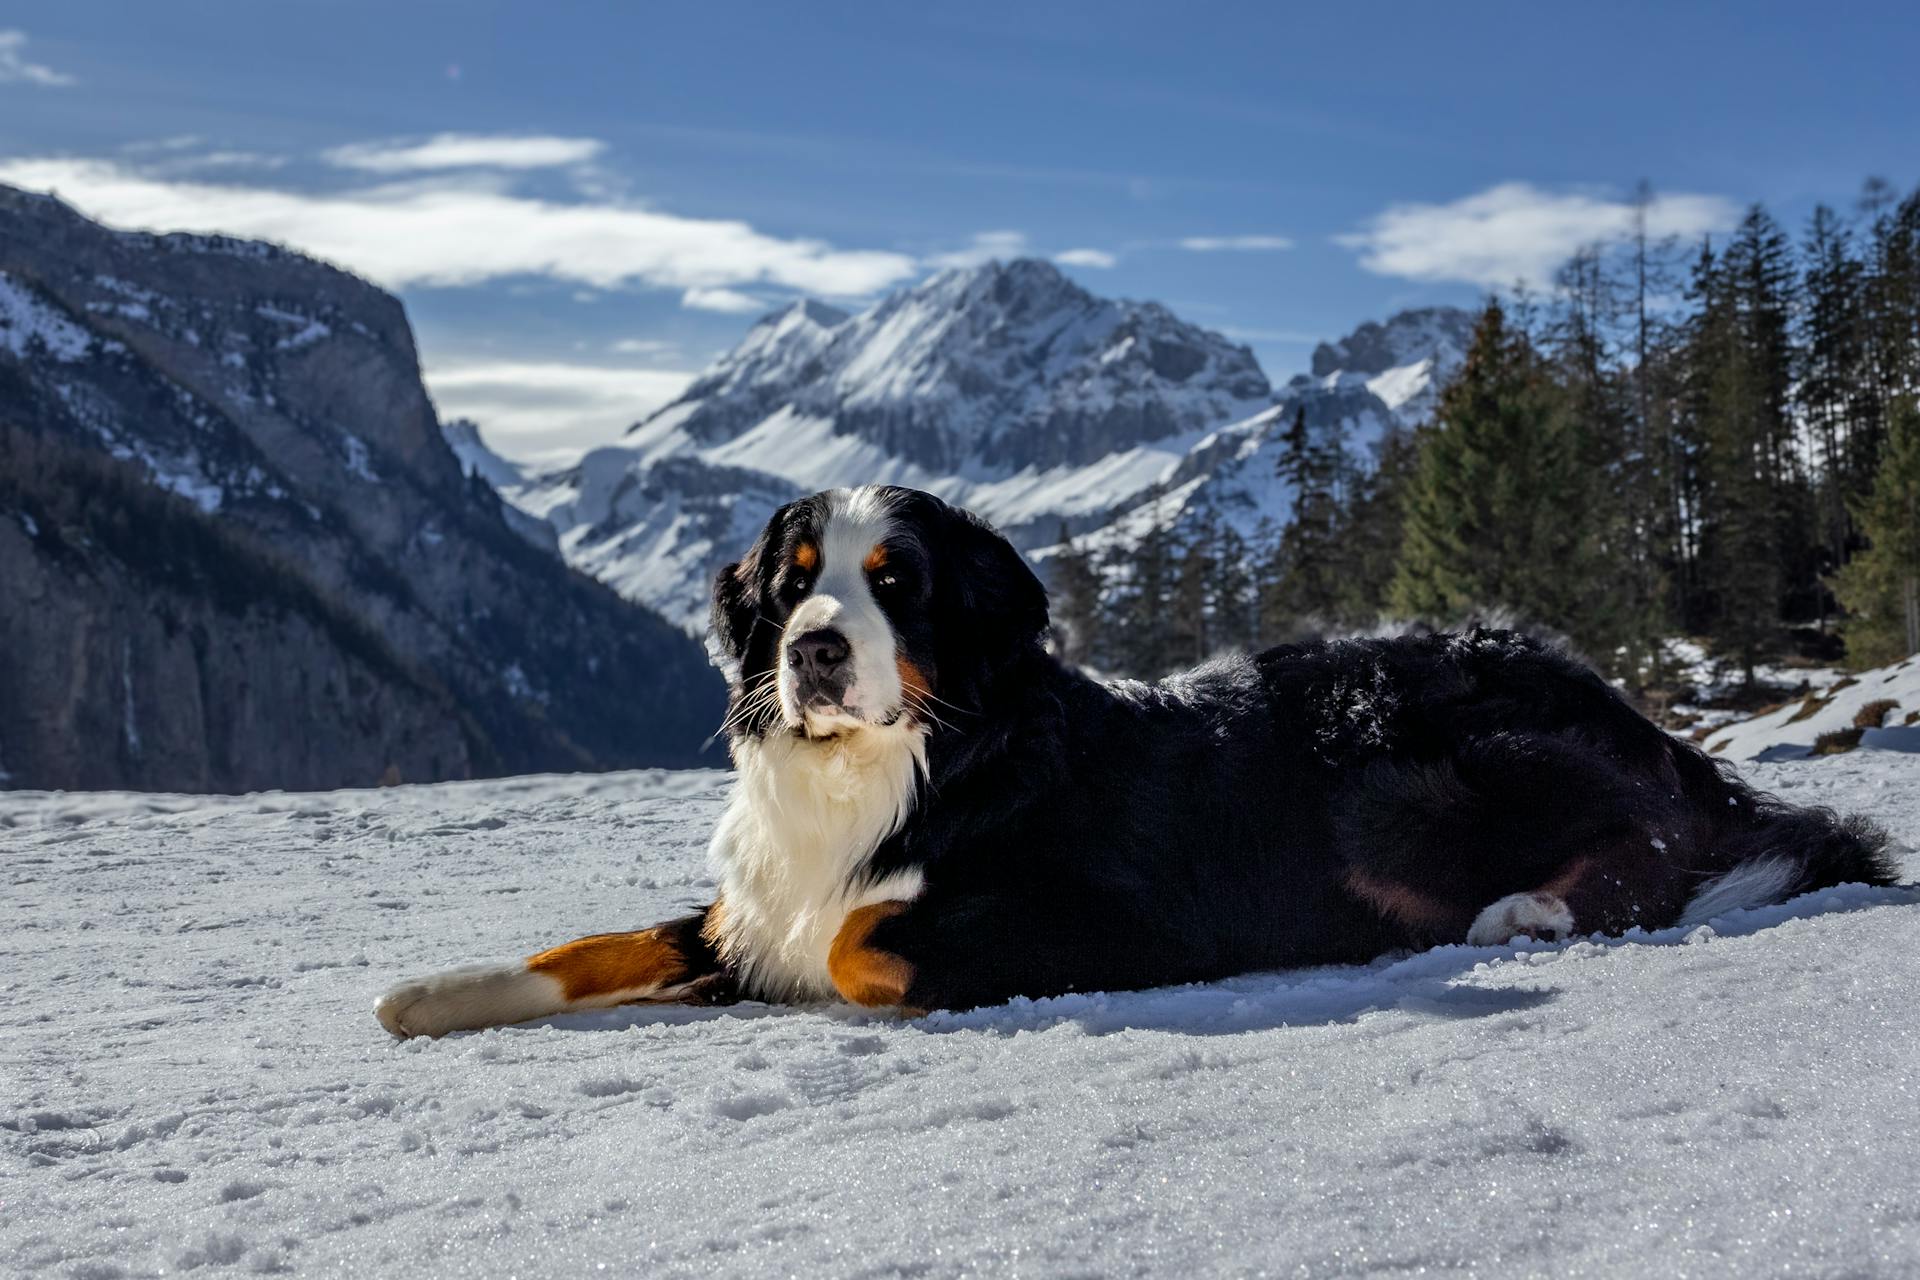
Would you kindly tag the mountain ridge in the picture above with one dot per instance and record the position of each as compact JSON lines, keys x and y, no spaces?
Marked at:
{"x":1006,"y":388}
{"x":279,"y":399}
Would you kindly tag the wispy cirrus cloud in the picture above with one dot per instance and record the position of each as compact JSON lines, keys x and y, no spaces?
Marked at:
{"x":1098,"y":259}
{"x":1517,"y":233}
{"x":465,"y":151}
{"x":1235,"y":244}
{"x":15,"y":69}
{"x":468,"y":229}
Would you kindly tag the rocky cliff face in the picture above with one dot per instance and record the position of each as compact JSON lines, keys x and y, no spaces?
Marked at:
{"x":277,"y":402}
{"x":148,"y":648}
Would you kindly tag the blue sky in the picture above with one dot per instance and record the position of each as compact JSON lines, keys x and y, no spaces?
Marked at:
{"x":583,"y":203}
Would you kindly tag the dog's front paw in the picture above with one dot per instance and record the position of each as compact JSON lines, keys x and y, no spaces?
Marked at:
{"x":1542,"y":916}
{"x":467,"y":1000}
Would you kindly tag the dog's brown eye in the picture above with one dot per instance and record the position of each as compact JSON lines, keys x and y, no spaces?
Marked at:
{"x":799,"y":583}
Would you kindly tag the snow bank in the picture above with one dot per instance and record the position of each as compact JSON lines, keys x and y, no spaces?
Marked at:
{"x":196,"y":1080}
{"x":1789,"y":732}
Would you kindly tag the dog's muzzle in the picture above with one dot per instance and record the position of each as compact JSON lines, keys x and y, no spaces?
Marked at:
{"x":821,"y":664}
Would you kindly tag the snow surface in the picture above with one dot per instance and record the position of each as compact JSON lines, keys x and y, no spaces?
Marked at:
{"x":195,"y":1079}
{"x":1790,"y":732}
{"x":26,"y":320}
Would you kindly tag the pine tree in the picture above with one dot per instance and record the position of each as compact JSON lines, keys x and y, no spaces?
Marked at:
{"x":1373,"y":528}
{"x":1230,"y":590}
{"x":1193,"y":631}
{"x":1497,"y":513}
{"x":1263,"y":566}
{"x":1881,"y":586}
{"x":1142,"y":615}
{"x":1755,"y":511}
{"x":1836,"y":394}
{"x":1076,"y":600}
{"x":1623,"y":620}
{"x":1306,"y":583}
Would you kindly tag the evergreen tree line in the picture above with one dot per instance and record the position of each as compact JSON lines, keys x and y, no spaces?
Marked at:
{"x":1719,"y":440}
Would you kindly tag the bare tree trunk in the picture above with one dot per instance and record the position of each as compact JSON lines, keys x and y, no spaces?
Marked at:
{"x":1910,"y":589}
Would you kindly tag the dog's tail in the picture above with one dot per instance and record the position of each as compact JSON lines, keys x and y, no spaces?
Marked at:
{"x":1769,"y":850}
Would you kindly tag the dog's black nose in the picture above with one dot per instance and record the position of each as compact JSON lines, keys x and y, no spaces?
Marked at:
{"x":819,"y":655}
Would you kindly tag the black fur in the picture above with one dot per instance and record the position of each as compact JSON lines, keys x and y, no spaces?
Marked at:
{"x":1256,"y":813}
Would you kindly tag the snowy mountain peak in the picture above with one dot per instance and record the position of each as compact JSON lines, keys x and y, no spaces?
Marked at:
{"x":805,"y":310}
{"x":987,"y":370}
{"x":1405,"y":338}
{"x":1404,"y":360}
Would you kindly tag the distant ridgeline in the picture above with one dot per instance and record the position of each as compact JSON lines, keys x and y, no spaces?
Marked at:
{"x":1006,"y":388}
{"x":236,"y":551}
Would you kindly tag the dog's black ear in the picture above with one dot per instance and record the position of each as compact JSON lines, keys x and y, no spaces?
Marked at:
{"x":735,"y":593}
{"x":738,"y":598}
{"x":1000,"y":599}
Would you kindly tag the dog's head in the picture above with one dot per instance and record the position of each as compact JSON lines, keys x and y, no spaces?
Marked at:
{"x":861,"y":608}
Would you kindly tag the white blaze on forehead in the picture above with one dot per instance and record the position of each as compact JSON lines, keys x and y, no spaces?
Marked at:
{"x":857,"y":521}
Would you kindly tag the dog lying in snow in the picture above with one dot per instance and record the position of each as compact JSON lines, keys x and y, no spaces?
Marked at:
{"x":932,"y":812}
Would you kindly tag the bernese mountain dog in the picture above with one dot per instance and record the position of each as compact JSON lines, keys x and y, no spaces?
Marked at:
{"x":934,"y":812}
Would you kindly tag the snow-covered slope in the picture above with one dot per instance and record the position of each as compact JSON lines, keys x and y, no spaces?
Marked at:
{"x":1883,"y":705}
{"x":195,"y":1079}
{"x":1006,"y":388}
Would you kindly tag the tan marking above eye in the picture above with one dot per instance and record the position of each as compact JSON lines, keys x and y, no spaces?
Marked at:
{"x":876,"y":558}
{"x":807,"y":556}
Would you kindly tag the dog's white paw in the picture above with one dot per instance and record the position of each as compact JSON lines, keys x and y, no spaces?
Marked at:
{"x":467,"y":1000}
{"x":1542,"y":916}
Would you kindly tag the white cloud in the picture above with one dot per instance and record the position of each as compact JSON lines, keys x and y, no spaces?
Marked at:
{"x":1517,"y":232}
{"x":15,"y":69}
{"x":467,"y":230}
{"x":546,"y":413}
{"x":465,"y":151}
{"x":1096,"y":258}
{"x":730,"y":301}
{"x":644,"y":347}
{"x":1235,"y":244}
{"x":986,"y":246}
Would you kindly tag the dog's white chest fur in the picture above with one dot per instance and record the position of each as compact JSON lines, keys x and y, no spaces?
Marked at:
{"x":804,"y":817}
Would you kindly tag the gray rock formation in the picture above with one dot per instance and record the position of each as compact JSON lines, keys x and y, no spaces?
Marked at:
{"x":276,"y":403}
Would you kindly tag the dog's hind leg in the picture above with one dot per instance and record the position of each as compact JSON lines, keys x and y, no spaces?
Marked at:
{"x":672,"y":962}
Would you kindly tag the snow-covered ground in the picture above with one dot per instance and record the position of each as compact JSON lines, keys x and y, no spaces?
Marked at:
{"x":1883,"y":704}
{"x":194,"y":1079}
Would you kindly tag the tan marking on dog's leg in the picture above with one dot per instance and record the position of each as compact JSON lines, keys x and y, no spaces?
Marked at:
{"x":613,"y":964}
{"x":863,"y":974}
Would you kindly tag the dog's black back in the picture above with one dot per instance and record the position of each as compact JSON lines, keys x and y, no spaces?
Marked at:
{"x":1314,"y":803}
